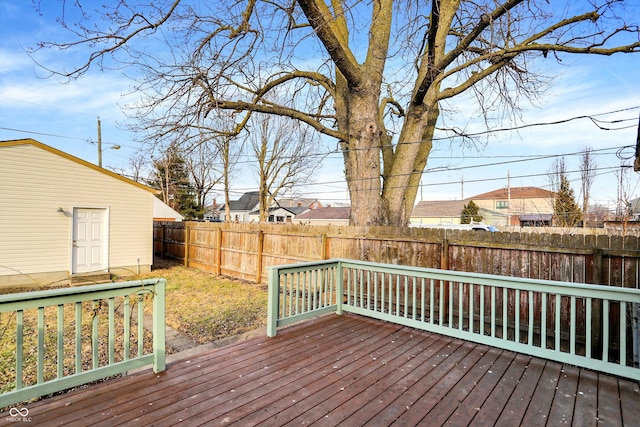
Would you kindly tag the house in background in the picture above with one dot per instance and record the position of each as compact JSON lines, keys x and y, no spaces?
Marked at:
{"x":247,"y":209}
{"x":212,"y":212}
{"x":523,"y":206}
{"x":324,"y":216}
{"x":240,"y":209}
{"x":63,"y":218}
{"x":449,"y":212}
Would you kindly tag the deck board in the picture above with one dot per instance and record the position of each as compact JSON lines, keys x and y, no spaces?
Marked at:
{"x":350,"y":370}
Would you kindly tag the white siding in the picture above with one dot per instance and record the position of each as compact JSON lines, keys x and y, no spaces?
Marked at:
{"x":35,"y":235}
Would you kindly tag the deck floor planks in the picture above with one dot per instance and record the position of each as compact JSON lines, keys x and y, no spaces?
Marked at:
{"x":517,"y":405}
{"x":416,"y":378}
{"x":342,"y":377}
{"x":563,"y":404}
{"x":501,"y":393}
{"x":260,"y":374}
{"x":418,"y":410}
{"x":610,"y":412}
{"x":538,"y":409}
{"x":448,"y":405}
{"x":630,"y":408}
{"x":331,"y":372}
{"x":468,"y":408}
{"x":442,"y":365}
{"x":585,"y":412}
{"x":388,"y":389}
{"x":386,"y":375}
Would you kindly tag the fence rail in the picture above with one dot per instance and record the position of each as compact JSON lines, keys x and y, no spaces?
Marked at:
{"x":245,"y":251}
{"x":68,"y":337}
{"x":600,"y":330}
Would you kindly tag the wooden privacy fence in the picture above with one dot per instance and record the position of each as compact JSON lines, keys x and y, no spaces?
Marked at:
{"x":245,"y":251}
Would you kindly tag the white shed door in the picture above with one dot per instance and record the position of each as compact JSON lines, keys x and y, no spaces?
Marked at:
{"x":89,"y":240}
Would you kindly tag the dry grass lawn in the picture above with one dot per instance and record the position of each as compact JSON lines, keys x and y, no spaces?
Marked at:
{"x":206,"y":307}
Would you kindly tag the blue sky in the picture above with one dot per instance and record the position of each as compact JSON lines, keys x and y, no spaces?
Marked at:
{"x":64,"y":115}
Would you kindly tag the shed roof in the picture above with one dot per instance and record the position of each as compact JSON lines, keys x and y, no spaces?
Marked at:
{"x":438,"y":209}
{"x":326,"y":213}
{"x":40,"y":145}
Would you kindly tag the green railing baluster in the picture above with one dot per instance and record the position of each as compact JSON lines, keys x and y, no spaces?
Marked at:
{"x":368,"y":290}
{"x":397,"y":290}
{"x":543,"y":321}
{"x":587,"y":350}
{"x":406,"y":297}
{"x":431,"y":300}
{"x":451,"y":304}
{"x":40,"y":374}
{"x":140,"y":325}
{"x":572,"y":326}
{"x":557,"y":332}
{"x":505,"y":314}
{"x":531,"y":320}
{"x":605,"y":330}
{"x":481,"y":326}
{"x":493,"y":311}
{"x":60,"y":342}
{"x":375,"y":291}
{"x":94,"y":336}
{"x":112,"y":330}
{"x":516,"y":328}
{"x":127,"y":327}
{"x":298,"y":301}
{"x":78,"y":343}
{"x":441,"y":304}
{"x":460,"y":305}
{"x":19,"y":347}
{"x":471,"y":308}
{"x":623,"y":337}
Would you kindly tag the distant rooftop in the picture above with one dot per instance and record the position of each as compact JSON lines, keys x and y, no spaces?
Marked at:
{"x":516,"y":193}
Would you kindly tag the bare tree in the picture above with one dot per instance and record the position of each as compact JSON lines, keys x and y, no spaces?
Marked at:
{"x":200,"y":163}
{"x":587,"y":175}
{"x":285,"y":156}
{"x":555,"y":174}
{"x":373,"y":75}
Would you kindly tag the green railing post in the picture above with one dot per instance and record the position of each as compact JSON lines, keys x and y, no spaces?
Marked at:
{"x":159,"y":323}
{"x":339,"y":287}
{"x":273,"y":300}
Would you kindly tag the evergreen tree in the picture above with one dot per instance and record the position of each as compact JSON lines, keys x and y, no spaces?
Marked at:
{"x":171,"y":177}
{"x":566,"y":211}
{"x":470,"y":212}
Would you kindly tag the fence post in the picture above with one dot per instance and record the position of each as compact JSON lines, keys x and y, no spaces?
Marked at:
{"x":324,"y":246}
{"x":186,"y":244}
{"x":259,"y":260}
{"x":273,"y":301}
{"x":159,"y":322}
{"x":219,"y":254}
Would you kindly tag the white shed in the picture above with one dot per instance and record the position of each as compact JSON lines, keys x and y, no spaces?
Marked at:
{"x":61,"y":217}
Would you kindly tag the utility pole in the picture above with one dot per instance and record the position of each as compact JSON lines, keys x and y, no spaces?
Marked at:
{"x":99,"y":144}
{"x":462,"y":187}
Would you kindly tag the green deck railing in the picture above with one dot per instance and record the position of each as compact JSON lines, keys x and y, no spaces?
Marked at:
{"x":67,"y":337}
{"x":591,"y":326}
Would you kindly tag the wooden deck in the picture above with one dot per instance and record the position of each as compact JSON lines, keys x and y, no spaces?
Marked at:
{"x":350,"y":371}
